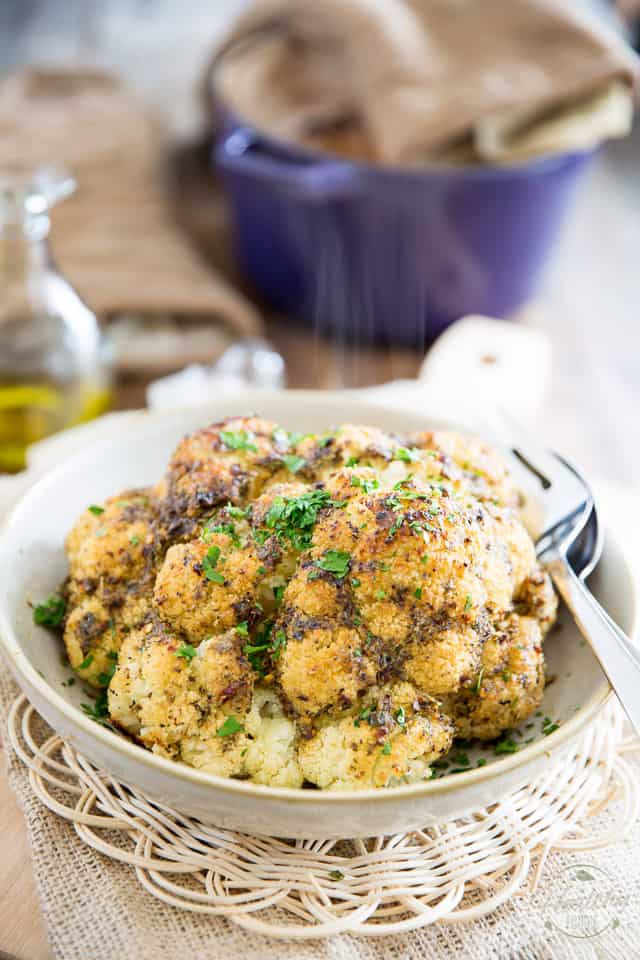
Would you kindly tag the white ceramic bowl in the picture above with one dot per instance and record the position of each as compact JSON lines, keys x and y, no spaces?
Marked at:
{"x":32,"y":564}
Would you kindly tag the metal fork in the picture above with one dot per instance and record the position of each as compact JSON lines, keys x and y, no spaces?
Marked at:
{"x":567,"y":503}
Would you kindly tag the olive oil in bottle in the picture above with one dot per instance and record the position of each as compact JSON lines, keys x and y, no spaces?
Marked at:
{"x":53,"y":362}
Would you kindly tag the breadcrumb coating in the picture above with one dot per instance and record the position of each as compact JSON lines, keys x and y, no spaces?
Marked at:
{"x":329,"y":609}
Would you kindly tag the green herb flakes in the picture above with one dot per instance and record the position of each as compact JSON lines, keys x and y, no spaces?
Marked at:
{"x":210,"y":563}
{"x":418,"y":593}
{"x":95,"y":510}
{"x":386,"y":750}
{"x":400,"y":716}
{"x":187,"y":652}
{"x":366,"y":484}
{"x":293,"y":463}
{"x":99,"y":710}
{"x":238,"y":440}
{"x":407,"y":454}
{"x":336,"y":562}
{"x":279,"y":643}
{"x":229,"y":727}
{"x":243,"y":629}
{"x":86,"y":663}
{"x":506,"y":745}
{"x":294,"y":518}
{"x":134,"y":540}
{"x":468,"y":603}
{"x":50,"y":613}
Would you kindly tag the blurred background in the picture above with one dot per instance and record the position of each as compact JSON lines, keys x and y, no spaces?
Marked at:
{"x":328,"y":224}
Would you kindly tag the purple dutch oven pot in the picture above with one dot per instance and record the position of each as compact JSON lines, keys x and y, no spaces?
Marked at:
{"x":371,"y":253}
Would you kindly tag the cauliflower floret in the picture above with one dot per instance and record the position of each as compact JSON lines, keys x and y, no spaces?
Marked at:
{"x":509,"y":685}
{"x":470,"y":463}
{"x":228,"y":461}
{"x":324,"y":663}
{"x":207,"y":587}
{"x":271,"y":755}
{"x":113,"y":543}
{"x":94,"y":632}
{"x":347,"y":445}
{"x":184,"y":702}
{"x":392,"y":740}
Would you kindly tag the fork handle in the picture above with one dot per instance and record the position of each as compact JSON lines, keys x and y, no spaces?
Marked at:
{"x":617,"y":655}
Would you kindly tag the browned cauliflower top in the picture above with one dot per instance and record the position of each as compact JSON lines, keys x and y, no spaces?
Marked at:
{"x":326,"y":608}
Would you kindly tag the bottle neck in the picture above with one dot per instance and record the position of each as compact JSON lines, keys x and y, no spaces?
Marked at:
{"x":24,"y":262}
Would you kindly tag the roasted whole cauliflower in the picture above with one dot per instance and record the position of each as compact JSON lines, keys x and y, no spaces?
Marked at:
{"x":328,"y":610}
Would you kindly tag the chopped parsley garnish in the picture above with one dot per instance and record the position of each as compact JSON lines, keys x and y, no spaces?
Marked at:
{"x":352,"y":462}
{"x":468,"y":603}
{"x":229,"y":727}
{"x":95,"y":510}
{"x":134,"y":540}
{"x":99,"y":710}
{"x":279,"y":643}
{"x":401,"y":716}
{"x":381,"y":595}
{"x":294,"y":518}
{"x":424,"y":558}
{"x":227,"y":528}
{"x":69,"y":682}
{"x":478,"y":683}
{"x":210,"y":563}
{"x":50,"y":613}
{"x":407,"y":454}
{"x":363,"y":715}
{"x":187,"y":652}
{"x":336,"y":562}
{"x":355,"y":582}
{"x":481,"y":762}
{"x":278,"y":593}
{"x":418,"y":593}
{"x":293,"y":462}
{"x":104,"y":678}
{"x":548,"y":726}
{"x":386,"y":750}
{"x":262,"y":571}
{"x":243,"y":629}
{"x":506,"y":745}
{"x":86,"y":663}
{"x":366,"y":484}
{"x":238,"y":440}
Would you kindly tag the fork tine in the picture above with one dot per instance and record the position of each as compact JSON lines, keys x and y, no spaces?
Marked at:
{"x":559,"y":490}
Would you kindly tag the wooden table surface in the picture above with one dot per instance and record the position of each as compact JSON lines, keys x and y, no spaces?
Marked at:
{"x":590,"y":309}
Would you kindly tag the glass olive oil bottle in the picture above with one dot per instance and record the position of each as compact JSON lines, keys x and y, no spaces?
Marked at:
{"x":54,"y":369}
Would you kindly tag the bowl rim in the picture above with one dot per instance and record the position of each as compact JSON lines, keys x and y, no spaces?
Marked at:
{"x":22,"y":668}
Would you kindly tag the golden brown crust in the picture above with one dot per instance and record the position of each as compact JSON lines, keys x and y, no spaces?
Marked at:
{"x":274,"y":587}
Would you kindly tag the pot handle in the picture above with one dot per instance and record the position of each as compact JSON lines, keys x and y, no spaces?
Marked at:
{"x":242,"y":152}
